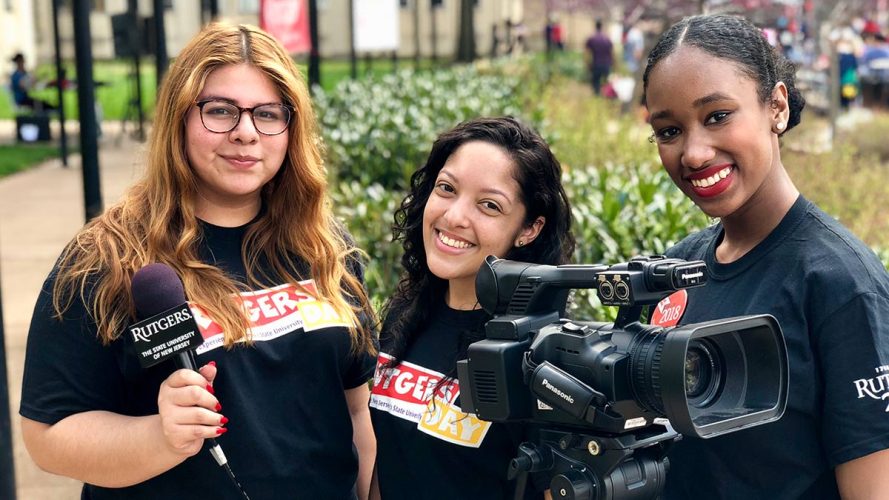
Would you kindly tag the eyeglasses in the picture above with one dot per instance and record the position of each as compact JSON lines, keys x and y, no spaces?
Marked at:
{"x":221,"y":116}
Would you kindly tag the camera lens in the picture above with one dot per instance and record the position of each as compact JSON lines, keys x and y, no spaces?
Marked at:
{"x":702,"y":373}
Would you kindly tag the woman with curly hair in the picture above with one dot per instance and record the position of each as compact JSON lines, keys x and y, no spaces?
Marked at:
{"x":491,"y":186}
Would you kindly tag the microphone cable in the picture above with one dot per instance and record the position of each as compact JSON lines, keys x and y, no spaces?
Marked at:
{"x":215,"y":449}
{"x":219,"y":456}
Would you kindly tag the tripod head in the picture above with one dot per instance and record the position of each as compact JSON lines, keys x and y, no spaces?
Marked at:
{"x":585,"y":466}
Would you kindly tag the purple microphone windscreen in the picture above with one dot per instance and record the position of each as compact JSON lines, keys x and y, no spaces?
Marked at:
{"x":156,"y":288}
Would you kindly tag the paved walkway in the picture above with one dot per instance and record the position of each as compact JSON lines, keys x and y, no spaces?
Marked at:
{"x":40,"y":210}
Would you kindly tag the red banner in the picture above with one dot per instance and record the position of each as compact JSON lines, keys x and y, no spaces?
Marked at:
{"x":288,"y":21}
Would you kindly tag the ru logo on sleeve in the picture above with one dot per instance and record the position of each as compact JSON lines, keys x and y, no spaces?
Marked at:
{"x":875,"y":387}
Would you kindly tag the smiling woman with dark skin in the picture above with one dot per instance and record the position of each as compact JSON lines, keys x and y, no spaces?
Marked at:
{"x":720,"y":98}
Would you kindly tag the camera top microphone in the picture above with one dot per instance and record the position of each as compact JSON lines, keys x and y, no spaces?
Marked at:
{"x":647,"y":280}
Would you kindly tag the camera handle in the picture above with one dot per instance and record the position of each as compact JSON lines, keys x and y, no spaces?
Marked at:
{"x":584,"y":466}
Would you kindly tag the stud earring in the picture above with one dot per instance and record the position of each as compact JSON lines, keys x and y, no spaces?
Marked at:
{"x":521,"y":243}
{"x":779,"y":126}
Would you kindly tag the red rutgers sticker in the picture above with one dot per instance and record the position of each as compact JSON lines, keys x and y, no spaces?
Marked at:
{"x":669,"y":311}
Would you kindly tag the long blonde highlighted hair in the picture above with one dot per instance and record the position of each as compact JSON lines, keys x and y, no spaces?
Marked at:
{"x":155,"y":220}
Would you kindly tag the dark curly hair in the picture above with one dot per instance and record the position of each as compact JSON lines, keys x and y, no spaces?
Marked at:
{"x":539,"y":176}
{"x":738,"y":40}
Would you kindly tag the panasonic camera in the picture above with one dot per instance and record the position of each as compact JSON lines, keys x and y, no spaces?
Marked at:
{"x":610,"y":398}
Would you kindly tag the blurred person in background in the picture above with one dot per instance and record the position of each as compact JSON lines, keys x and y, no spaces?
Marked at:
{"x":21,"y":83}
{"x":599,"y":57}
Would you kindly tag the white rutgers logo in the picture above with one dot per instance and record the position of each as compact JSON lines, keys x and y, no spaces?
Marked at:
{"x":875,"y":387}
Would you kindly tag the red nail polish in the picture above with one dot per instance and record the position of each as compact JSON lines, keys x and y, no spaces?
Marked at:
{"x":218,"y":406}
{"x":221,"y":430}
{"x":210,"y":389}
{"x":212,"y":363}
{"x":223,"y":420}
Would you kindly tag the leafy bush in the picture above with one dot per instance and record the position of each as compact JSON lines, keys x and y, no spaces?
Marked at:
{"x":848,"y":186}
{"x":883,"y":254}
{"x":368,"y":211}
{"x":583,"y":130}
{"x":868,"y":136}
{"x":381,"y":129}
{"x":621,"y":211}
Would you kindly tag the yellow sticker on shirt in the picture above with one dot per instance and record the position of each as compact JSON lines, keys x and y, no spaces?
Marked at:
{"x":319,"y":314}
{"x":448,"y":422}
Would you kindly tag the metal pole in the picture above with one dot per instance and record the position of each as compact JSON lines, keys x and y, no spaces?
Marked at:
{"x":60,"y":82}
{"x":160,"y":36}
{"x":314,"y":57}
{"x":834,"y":87}
{"x":7,"y":468}
{"x":466,"y":37}
{"x":86,"y":101}
{"x":136,"y":48}
{"x":417,"y":34}
{"x":353,"y":58}
{"x":434,"y":34}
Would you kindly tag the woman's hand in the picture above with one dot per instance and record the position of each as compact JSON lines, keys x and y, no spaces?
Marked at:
{"x":188,"y":409}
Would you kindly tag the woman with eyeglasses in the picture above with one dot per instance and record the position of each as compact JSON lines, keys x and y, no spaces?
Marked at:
{"x":233,"y":200}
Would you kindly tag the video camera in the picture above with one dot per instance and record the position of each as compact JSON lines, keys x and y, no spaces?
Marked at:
{"x":609,"y":397}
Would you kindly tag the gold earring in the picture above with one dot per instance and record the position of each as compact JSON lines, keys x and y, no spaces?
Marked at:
{"x":521,"y":243}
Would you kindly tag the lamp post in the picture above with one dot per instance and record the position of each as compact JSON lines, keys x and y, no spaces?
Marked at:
{"x":86,"y":102}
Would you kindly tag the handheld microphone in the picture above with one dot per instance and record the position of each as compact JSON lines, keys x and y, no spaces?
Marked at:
{"x":167,"y":329}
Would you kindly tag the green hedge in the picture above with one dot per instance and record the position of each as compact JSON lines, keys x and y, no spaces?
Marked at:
{"x":381,"y":129}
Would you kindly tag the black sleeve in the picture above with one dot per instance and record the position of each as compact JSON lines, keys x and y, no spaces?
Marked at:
{"x":853,"y":348}
{"x":67,"y":369}
{"x":360,"y":371}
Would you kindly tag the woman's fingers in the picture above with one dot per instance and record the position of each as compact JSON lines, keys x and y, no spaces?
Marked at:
{"x":189,"y":411}
{"x":189,"y":388}
{"x":193,"y":424}
{"x":209,"y":371}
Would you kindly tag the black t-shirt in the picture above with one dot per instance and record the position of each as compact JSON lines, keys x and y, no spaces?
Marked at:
{"x":290,"y":433}
{"x":436,"y":451}
{"x":830,"y":294}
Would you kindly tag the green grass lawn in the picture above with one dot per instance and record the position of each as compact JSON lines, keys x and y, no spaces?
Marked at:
{"x":19,"y":157}
{"x":113,"y":94}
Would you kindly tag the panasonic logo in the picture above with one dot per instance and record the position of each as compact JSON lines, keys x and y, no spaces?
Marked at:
{"x":555,"y":390}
